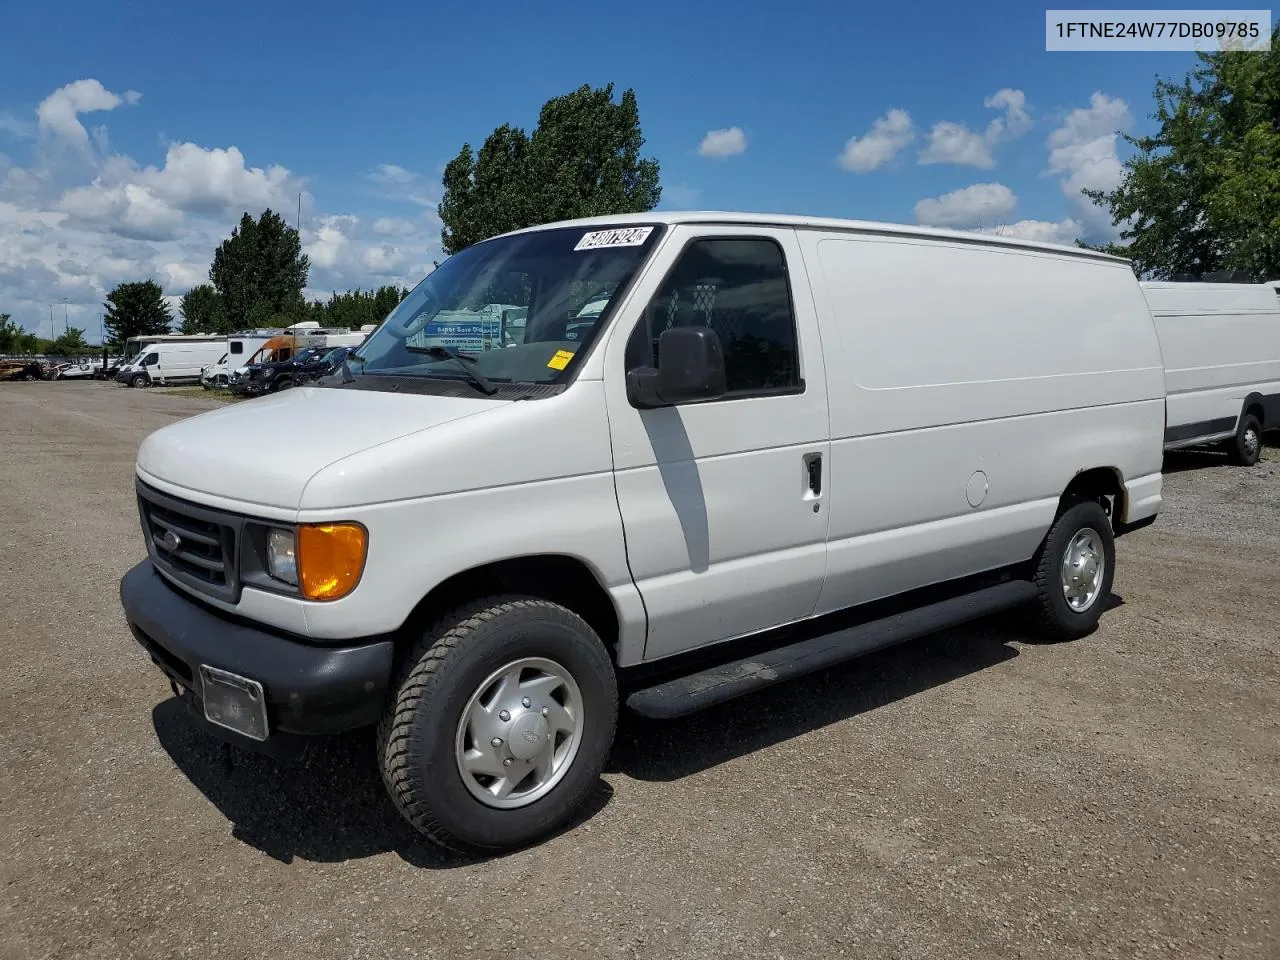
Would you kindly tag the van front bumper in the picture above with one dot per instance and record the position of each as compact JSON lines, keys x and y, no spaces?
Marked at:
{"x":308,"y":689}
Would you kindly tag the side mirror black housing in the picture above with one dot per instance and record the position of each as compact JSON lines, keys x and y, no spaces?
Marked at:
{"x":690,"y":368}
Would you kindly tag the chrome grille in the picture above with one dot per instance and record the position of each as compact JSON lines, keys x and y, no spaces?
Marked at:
{"x":193,"y":544}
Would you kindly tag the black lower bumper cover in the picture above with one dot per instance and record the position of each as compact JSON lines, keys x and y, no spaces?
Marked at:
{"x":309,"y":689}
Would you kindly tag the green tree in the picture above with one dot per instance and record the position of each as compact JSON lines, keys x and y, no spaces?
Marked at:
{"x":259,"y":272}
{"x":355,"y":308}
{"x":11,"y":333}
{"x":136,"y":309}
{"x":70,"y":343}
{"x":583,"y":160}
{"x":1203,"y":193}
{"x":202,"y":312}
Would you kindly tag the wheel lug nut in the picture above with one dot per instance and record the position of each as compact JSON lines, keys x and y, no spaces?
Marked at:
{"x":506,"y":762}
{"x":526,"y":702}
{"x":496,"y":741}
{"x":504,"y":716}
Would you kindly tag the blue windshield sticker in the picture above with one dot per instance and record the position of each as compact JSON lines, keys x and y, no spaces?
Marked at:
{"x":624,"y":237}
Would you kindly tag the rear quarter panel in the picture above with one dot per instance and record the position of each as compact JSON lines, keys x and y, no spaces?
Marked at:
{"x":969,"y":384}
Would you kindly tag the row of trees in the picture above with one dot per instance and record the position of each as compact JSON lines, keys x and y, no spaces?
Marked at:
{"x":14,"y":339}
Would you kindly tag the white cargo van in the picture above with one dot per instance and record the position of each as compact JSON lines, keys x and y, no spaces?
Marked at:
{"x":782,"y":443}
{"x":1221,"y":348}
{"x":171,"y":359}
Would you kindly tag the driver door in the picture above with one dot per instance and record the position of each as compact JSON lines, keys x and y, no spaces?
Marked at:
{"x":723,"y":502}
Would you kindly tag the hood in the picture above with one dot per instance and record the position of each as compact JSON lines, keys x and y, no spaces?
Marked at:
{"x":264,"y":451}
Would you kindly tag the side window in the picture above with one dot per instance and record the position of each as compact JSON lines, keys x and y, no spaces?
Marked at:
{"x":237,"y":346}
{"x":151,"y":360}
{"x":738,"y":288}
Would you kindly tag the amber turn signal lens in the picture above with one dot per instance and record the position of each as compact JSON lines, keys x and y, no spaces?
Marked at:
{"x":330,"y":559}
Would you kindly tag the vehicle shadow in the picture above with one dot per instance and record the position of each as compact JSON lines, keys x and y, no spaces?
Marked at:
{"x":325,"y":806}
{"x":329,"y":804}
{"x":1192,"y":458}
{"x":664,"y":750}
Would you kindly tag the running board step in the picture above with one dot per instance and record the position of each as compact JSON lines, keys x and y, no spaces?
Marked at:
{"x":688,"y":694}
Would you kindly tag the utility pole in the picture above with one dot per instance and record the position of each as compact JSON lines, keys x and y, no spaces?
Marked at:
{"x":66,"y":326}
{"x":297,"y":223}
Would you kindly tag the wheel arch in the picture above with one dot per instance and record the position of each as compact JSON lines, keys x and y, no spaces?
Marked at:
{"x":1104,"y":484}
{"x":559,"y":578}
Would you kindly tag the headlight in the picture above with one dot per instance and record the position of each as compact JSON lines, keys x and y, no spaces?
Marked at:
{"x":330,"y":559}
{"x":282,"y":556}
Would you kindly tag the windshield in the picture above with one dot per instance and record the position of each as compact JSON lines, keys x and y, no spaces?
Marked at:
{"x":519,"y":309}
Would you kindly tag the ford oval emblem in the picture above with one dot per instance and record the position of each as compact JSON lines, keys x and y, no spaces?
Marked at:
{"x":170,"y":541}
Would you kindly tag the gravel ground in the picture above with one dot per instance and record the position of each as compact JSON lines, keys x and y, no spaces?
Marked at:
{"x":970,"y":795}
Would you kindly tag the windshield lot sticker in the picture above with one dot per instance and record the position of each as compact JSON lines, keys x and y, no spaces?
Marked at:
{"x":625,"y":237}
{"x":560,"y":360}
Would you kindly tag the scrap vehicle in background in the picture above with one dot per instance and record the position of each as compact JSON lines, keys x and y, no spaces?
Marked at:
{"x":303,"y":367}
{"x":21,"y":369}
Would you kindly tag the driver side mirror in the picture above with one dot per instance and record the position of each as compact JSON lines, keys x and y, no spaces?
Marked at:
{"x":690,"y":368}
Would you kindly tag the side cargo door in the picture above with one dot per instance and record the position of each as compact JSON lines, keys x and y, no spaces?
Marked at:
{"x":723,"y":502}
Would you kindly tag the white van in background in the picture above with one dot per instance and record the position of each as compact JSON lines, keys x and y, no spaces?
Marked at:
{"x":821,"y":437}
{"x":240,"y":347}
{"x":1221,"y":348}
{"x":171,"y":359}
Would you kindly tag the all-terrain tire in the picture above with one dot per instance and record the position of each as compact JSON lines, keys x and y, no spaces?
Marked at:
{"x":1057,"y":618}
{"x":417,"y":735}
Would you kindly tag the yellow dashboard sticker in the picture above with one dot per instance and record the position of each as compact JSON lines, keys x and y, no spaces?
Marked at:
{"x":560,"y":360}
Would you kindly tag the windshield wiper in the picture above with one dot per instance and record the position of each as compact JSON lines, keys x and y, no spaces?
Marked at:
{"x":462,"y":360}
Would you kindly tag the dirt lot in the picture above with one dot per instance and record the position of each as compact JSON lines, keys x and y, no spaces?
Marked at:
{"x":969,"y":796}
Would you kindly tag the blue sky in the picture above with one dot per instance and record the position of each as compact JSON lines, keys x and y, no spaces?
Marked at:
{"x":131,"y":138}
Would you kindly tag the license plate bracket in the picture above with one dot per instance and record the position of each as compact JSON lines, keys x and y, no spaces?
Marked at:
{"x":234,"y":702}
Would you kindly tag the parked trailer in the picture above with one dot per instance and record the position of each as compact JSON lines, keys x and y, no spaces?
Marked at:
{"x":1221,"y":349}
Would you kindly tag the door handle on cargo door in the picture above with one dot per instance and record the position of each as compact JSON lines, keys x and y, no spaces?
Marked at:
{"x":813,"y":474}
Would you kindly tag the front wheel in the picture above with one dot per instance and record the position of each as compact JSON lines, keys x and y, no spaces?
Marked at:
{"x":500,"y":725}
{"x":1246,"y":448}
{"x":138,"y":380}
{"x":1074,"y":569}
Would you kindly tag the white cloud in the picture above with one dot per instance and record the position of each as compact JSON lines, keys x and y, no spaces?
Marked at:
{"x":1016,"y":120}
{"x":393,"y":227}
{"x":1082,"y":152}
{"x":723,"y":143}
{"x":129,"y":209}
{"x":390,"y":173}
{"x":955,"y":143}
{"x":14,"y":126}
{"x":75,"y":223}
{"x":967,"y":207}
{"x":216,"y":180}
{"x":1046,"y":231}
{"x":886,"y":138}
{"x":58,"y":113}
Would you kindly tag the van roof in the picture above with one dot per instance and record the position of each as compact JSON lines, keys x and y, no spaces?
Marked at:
{"x":670,"y":217}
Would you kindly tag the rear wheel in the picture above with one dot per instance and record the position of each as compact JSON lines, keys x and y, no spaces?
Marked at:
{"x":1074,"y":570}
{"x":1246,"y":449}
{"x":500,"y":725}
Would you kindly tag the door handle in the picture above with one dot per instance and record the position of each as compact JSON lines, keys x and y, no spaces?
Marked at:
{"x":813,"y":468}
